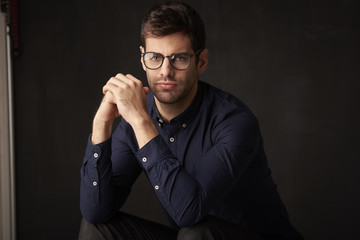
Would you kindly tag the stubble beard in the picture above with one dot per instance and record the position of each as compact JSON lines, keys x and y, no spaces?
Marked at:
{"x":172,"y":96}
{"x":164,"y":96}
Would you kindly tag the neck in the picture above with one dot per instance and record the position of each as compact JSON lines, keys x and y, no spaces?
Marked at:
{"x":169,"y":111}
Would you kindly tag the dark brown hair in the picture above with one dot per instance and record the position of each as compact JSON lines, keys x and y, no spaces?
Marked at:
{"x":172,"y":17}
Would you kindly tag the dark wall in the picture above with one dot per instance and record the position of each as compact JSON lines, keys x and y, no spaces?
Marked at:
{"x":295,"y":63}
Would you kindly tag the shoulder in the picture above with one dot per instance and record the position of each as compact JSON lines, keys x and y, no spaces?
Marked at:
{"x":222,"y":102}
{"x":228,"y":113}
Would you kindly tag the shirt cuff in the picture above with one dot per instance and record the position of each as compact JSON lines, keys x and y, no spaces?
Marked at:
{"x":96,"y":152}
{"x":153,"y":152}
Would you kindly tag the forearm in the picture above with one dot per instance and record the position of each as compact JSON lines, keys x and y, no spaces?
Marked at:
{"x":180,"y":193}
{"x":189,"y":192}
{"x":107,"y":176}
{"x":97,"y":201}
{"x":144,"y":130}
{"x":101,"y":129}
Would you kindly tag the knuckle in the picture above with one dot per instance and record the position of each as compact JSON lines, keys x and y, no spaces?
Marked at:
{"x":133,"y":84}
{"x":119,"y":75}
{"x":112,"y":79}
{"x":127,"y":87}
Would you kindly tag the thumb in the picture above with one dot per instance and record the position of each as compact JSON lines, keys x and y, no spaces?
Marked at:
{"x":146,"y":90}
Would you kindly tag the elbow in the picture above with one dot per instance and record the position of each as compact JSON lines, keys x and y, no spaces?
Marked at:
{"x":91,"y":219}
{"x":90,"y":216}
{"x":184,"y":224}
{"x":96,"y":213}
{"x":93,"y":211}
{"x":188,"y":219}
{"x":187,"y":222}
{"x":192,"y":212}
{"x":95,"y":217}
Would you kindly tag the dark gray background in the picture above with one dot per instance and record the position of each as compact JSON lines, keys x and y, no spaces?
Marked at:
{"x":295,"y":63}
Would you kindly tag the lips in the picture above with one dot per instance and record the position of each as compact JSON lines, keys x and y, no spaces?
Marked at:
{"x":167,"y":85}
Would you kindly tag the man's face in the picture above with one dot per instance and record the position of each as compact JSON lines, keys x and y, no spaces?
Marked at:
{"x":171,"y":86}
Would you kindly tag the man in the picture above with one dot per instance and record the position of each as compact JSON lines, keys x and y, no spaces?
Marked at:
{"x":200,"y":147}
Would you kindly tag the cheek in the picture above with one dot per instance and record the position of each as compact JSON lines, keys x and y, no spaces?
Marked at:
{"x":191,"y":76}
{"x":151,"y":78}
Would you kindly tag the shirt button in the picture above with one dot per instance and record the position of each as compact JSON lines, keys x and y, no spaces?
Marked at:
{"x":96,"y":155}
{"x":144,"y":159}
{"x":184,"y":125}
{"x":95,"y":184}
{"x":156,"y":187}
{"x":172,"y":139}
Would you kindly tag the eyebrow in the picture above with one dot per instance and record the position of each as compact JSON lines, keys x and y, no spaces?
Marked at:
{"x":170,"y":54}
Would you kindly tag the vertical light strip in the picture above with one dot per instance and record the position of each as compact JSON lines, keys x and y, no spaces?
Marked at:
{"x":11,"y":135}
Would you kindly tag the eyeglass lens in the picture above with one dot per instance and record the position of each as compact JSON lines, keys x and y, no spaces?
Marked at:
{"x":179,"y":61}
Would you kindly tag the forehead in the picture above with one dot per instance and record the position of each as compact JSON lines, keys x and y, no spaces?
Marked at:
{"x":172,"y":43}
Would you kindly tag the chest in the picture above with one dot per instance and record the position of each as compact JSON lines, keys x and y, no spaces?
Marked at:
{"x":188,"y":140}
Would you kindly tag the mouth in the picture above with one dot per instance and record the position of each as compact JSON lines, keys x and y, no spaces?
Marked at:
{"x":166,"y":85}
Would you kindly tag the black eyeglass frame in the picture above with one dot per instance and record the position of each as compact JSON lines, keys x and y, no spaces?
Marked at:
{"x":170,"y":57}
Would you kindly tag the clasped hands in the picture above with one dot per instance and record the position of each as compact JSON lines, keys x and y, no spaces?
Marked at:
{"x":124,"y":95}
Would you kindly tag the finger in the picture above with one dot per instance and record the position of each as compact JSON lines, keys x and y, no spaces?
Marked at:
{"x":107,"y":87}
{"x":112,"y":85}
{"x":118,"y":79}
{"x":146,"y":90}
{"x":108,"y":98}
{"x":120,"y":76}
{"x":131,"y":77}
{"x":128,"y":78}
{"x":121,"y":81}
{"x":137,"y":81}
{"x":115,"y":82}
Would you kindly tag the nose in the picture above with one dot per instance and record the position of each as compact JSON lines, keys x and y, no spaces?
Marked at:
{"x":166,"y":70}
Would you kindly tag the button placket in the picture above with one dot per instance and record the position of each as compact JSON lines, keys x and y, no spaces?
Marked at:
{"x":160,"y":122}
{"x":96,"y":156}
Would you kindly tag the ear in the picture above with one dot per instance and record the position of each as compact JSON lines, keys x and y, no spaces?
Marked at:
{"x":203,"y":61}
{"x":142,"y":50}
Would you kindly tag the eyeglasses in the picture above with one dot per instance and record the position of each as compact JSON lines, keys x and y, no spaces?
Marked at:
{"x":179,"y":61}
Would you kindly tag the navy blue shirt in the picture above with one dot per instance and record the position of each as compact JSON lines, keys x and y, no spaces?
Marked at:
{"x":209,"y":160}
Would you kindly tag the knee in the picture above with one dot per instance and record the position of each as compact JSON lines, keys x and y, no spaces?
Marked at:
{"x":197,"y":232}
{"x":87,"y":230}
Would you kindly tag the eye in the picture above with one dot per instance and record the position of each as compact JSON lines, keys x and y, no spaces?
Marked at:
{"x":154,"y":57}
{"x":180,"y":58}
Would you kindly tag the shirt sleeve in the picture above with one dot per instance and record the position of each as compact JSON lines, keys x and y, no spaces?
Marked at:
{"x":109,"y":170}
{"x":189,"y":197}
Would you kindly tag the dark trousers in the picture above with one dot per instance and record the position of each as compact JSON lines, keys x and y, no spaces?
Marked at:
{"x":128,"y":227}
